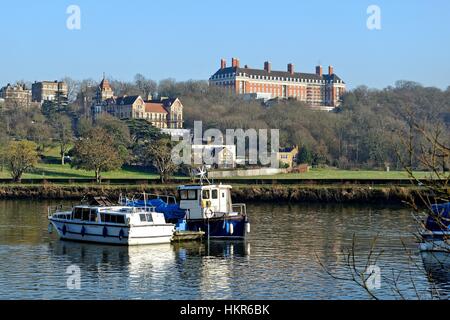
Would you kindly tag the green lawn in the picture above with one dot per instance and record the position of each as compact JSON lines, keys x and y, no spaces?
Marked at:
{"x":317,"y":174}
{"x":46,"y":170}
{"x":50,"y":167}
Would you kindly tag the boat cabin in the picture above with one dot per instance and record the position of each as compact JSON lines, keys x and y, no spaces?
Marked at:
{"x":205,"y":201}
{"x":111,"y":215}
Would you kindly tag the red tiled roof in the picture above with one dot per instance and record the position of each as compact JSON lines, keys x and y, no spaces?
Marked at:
{"x":105,"y":84}
{"x":154,"y":107}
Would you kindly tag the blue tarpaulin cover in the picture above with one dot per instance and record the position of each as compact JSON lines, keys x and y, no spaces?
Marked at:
{"x":440,"y":219}
{"x":171,"y":211}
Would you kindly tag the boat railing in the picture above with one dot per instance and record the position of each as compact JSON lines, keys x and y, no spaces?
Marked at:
{"x":57,"y":209}
{"x":240,"y":208}
{"x":169,"y":199}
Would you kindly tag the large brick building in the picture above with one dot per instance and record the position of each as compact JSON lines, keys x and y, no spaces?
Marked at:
{"x":48,"y":91}
{"x":315,"y":89}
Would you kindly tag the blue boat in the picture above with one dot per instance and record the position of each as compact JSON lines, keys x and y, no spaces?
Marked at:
{"x":436,"y":233}
{"x":206,"y":208}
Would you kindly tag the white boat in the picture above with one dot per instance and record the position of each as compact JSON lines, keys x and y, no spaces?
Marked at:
{"x":118,"y":225}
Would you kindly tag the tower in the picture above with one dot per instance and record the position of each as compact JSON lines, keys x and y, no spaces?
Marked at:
{"x":104,"y":90}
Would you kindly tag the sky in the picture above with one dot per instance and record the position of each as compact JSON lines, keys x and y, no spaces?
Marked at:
{"x":186,"y":39}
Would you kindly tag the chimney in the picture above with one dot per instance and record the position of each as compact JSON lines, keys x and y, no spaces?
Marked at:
{"x":223,"y":64}
{"x":267,"y":66}
{"x":330,"y":70}
{"x":319,"y":70}
{"x":235,"y":62}
{"x":290,"y":68}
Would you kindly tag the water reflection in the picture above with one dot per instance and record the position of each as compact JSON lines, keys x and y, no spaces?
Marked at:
{"x":277,"y":262}
{"x":437,"y":267}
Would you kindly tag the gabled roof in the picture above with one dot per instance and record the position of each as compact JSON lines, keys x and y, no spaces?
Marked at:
{"x":156,"y":107}
{"x":167,"y":102}
{"x":284,"y":74}
{"x":287,"y":150}
{"x":104,"y":85}
{"x":126,"y":100}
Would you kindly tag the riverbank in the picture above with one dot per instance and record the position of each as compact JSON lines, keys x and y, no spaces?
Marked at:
{"x":241,"y":193}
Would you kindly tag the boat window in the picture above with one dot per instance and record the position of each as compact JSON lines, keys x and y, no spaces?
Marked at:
{"x":149,"y":217}
{"x":77,"y":213}
{"x":215,"y":194}
{"x":106,"y":217}
{"x":120,"y":219}
{"x":142,"y":217}
{"x":85,"y":214}
{"x":93,"y":215}
{"x":192,"y":194}
{"x":205,"y":194}
{"x":223,"y":194}
{"x":183,"y":195}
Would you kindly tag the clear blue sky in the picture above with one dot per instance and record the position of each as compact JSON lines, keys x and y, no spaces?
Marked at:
{"x":186,"y":39}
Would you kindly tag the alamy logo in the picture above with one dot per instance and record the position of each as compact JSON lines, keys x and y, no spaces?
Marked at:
{"x":373,"y":281}
{"x":74,"y":279}
{"x":374,"y":19}
{"x":74,"y":20}
{"x":251,"y":145}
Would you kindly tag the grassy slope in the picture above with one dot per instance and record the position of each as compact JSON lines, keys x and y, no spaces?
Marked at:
{"x":50,"y":168}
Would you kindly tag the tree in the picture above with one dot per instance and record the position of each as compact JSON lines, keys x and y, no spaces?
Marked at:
{"x":142,"y":131}
{"x":145,"y":86}
{"x":96,"y":152}
{"x":305,"y":155}
{"x":159,"y":155}
{"x":62,"y":127}
{"x":73,"y":88}
{"x":119,"y":131}
{"x":20,"y":156}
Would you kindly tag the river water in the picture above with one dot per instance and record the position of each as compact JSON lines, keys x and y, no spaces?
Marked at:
{"x":293,"y":252}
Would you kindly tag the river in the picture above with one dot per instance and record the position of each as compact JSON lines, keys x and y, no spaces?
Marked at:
{"x":290,"y":254}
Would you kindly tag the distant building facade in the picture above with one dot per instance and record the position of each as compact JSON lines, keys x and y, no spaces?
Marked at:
{"x":315,"y":89}
{"x":163,"y":113}
{"x":288,"y":156}
{"x":16,"y":96}
{"x":48,"y":91}
{"x":223,"y":156}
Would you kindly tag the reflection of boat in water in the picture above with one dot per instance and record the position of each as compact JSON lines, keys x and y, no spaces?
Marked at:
{"x":136,"y":256}
{"x":187,"y":270}
{"x":225,"y":249}
{"x":437,"y":266}
{"x":136,"y":260}
{"x":436,"y":229}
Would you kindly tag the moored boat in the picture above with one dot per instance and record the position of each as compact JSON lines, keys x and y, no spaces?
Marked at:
{"x":436,"y":232}
{"x":120,"y":225}
{"x":207,"y":208}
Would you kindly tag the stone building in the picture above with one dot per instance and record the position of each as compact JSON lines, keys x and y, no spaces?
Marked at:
{"x":48,"y":91}
{"x":163,"y":113}
{"x":16,"y":96}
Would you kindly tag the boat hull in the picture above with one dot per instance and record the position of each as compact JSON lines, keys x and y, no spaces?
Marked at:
{"x":437,"y":241}
{"x":220,"y":228}
{"x":115,"y":235}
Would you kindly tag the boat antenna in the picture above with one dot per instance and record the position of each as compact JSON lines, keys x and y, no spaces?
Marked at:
{"x":203,"y":175}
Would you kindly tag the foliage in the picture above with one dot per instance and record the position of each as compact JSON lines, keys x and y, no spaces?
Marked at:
{"x":96,"y":151}
{"x":159,"y":155}
{"x":63,"y":134}
{"x":19,"y":157}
